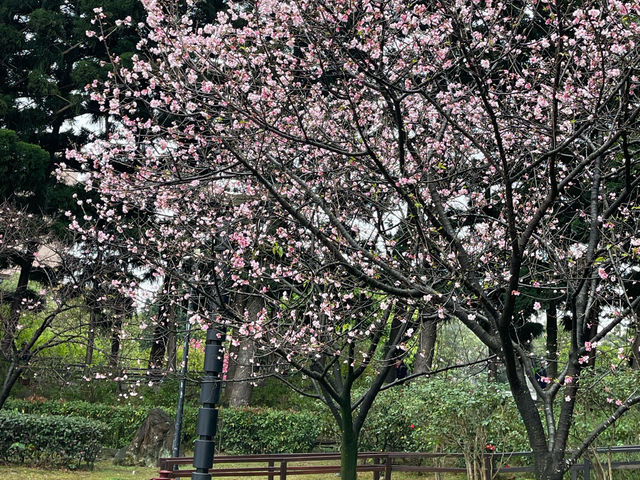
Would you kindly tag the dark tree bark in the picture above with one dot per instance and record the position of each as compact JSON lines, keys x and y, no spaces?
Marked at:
{"x":172,"y":346}
{"x":426,"y":350}
{"x":349,"y":443}
{"x":239,"y":386}
{"x":634,"y":359}
{"x":115,"y":343}
{"x":158,"y":344}
{"x":10,"y":324}
{"x":397,"y":324}
{"x":17,"y":365}
{"x":552,"y":341}
{"x":592,"y":330}
{"x":91,"y":336}
{"x":12,"y":375}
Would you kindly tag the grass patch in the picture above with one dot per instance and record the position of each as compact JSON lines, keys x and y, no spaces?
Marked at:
{"x":104,"y":470}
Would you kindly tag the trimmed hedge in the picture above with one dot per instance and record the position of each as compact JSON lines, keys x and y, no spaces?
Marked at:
{"x":49,"y":440}
{"x":121,"y":421}
{"x":240,"y":430}
{"x":262,"y":430}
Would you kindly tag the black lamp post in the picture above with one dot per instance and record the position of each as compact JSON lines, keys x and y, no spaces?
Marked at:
{"x":209,"y":398}
{"x":210,"y":387}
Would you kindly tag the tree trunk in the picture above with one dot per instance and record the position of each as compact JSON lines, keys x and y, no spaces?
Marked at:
{"x":549,"y":465}
{"x":240,"y":389}
{"x":172,"y":346}
{"x":428,"y":335}
{"x":554,"y":467}
{"x":634,"y":359}
{"x":230,"y":374}
{"x":158,"y":345}
{"x":396,"y":325}
{"x":349,"y":446}
{"x":528,"y":410}
{"x":592,"y":330}
{"x":552,"y":341}
{"x":91,"y":337}
{"x":115,"y":343}
{"x":11,"y":323}
{"x":13,"y":374}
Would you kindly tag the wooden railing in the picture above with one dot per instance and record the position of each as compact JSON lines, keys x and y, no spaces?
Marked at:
{"x":280,"y":466}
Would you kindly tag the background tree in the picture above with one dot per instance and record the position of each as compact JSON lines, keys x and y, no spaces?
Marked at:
{"x":45,"y":64}
{"x":46,"y":313}
{"x":23,"y":166}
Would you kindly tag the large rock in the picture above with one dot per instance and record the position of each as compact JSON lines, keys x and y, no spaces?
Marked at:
{"x":153,"y":441}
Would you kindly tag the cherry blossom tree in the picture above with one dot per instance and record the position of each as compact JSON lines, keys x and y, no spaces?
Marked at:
{"x":459,"y":157}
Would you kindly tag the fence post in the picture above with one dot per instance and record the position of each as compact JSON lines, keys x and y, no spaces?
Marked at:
{"x":488,"y":465}
{"x":283,"y":470}
{"x":376,"y":473}
{"x":587,"y":469}
{"x":387,"y":468}
{"x":271,"y":465}
{"x":574,"y":472}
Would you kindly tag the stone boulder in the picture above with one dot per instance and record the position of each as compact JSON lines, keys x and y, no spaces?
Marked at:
{"x":153,"y":441}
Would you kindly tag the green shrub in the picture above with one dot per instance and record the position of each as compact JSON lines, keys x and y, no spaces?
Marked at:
{"x":49,"y":440}
{"x":466,"y":416}
{"x":600,"y":390}
{"x":443,"y":415}
{"x":121,"y":421}
{"x":388,"y":427}
{"x":240,"y":430}
{"x":257,"y":430}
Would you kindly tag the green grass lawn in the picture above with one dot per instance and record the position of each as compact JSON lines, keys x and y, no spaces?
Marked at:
{"x":102,"y":471}
{"x":105,"y":470}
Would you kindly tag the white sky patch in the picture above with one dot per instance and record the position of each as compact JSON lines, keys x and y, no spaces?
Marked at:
{"x":460,"y":203}
{"x":83,"y":122}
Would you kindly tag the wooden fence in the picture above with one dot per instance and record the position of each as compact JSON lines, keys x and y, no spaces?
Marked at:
{"x":379,"y":464}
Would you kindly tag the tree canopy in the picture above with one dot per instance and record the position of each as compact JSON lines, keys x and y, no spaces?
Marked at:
{"x":474,"y":160}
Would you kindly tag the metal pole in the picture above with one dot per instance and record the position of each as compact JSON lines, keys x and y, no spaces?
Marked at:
{"x":209,"y":398}
{"x":175,"y":450}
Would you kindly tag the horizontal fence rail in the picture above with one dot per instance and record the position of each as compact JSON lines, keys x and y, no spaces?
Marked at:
{"x":379,"y":464}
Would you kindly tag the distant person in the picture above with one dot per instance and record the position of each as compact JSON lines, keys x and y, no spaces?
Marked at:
{"x":541,"y":376}
{"x":401,"y":369}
